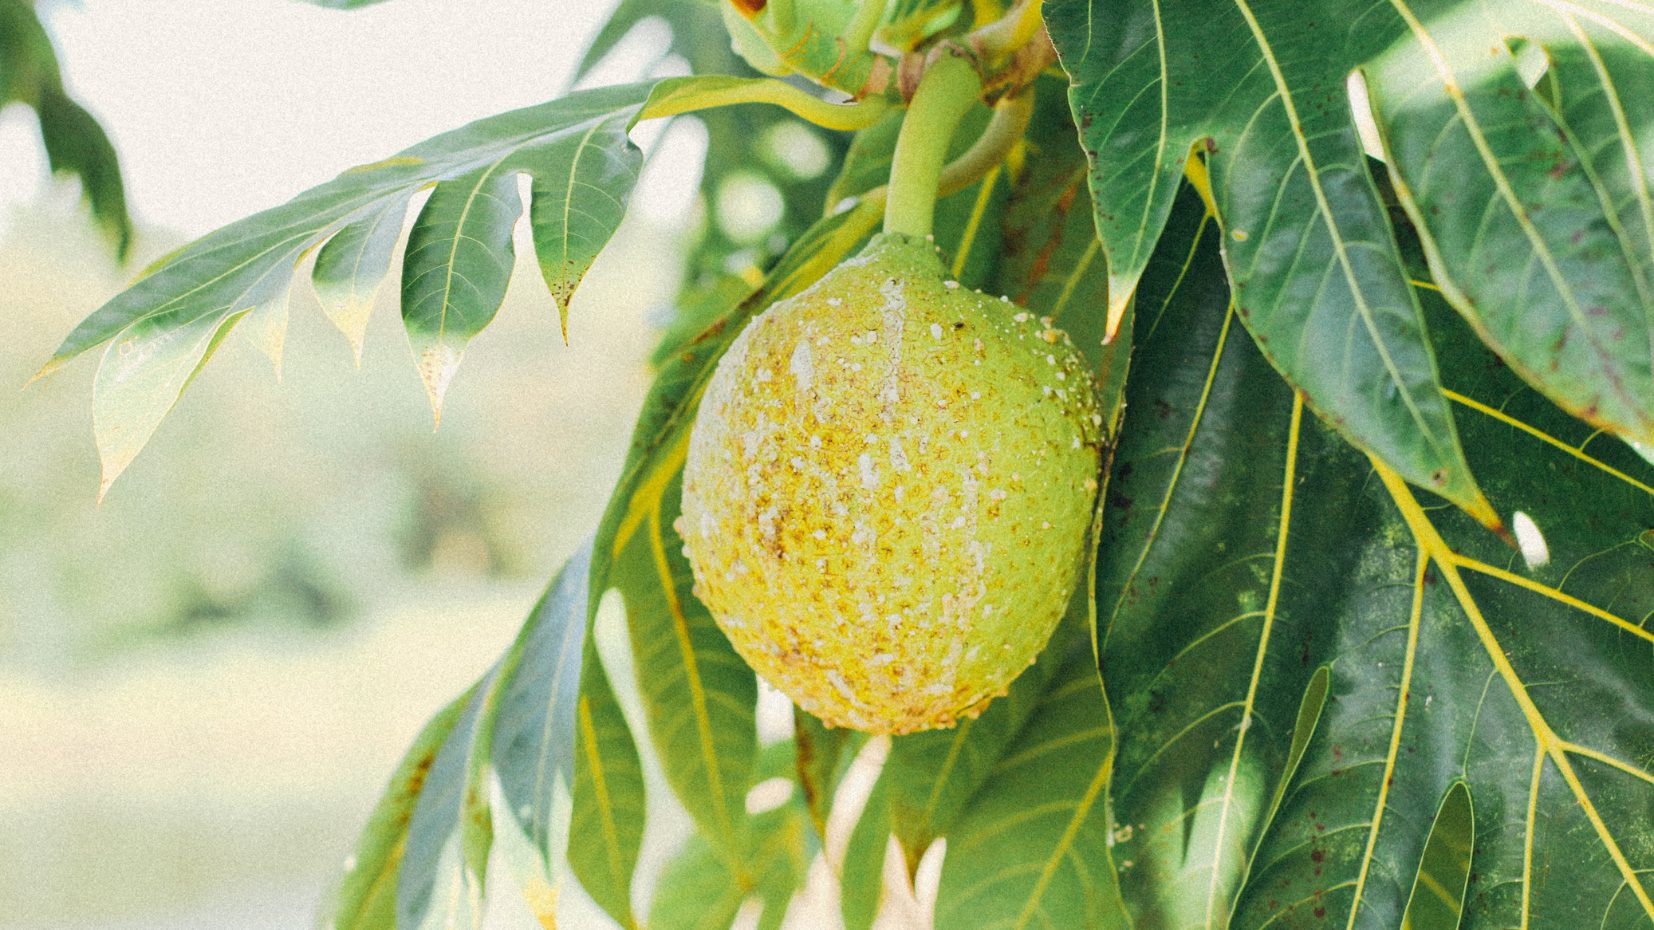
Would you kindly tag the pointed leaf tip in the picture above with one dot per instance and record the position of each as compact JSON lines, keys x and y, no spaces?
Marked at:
{"x":1121,"y":290}
{"x":437,"y":364}
{"x":266,"y":326}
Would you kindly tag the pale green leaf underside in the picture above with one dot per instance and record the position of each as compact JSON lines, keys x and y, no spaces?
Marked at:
{"x":163,"y":327}
{"x":534,"y":737}
{"x":365,"y":898}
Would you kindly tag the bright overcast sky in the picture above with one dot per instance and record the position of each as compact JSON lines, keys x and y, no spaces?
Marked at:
{"x":220,"y":109}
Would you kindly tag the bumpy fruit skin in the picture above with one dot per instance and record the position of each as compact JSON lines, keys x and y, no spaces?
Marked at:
{"x":889,"y":491}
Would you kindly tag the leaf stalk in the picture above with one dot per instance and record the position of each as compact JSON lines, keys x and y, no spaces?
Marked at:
{"x":852,"y":116}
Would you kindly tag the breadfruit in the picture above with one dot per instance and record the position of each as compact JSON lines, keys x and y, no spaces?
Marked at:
{"x":889,"y":490}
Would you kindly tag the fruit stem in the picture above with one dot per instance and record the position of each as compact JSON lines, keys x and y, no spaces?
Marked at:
{"x":1010,"y":32}
{"x":1007,"y":124}
{"x":946,"y":91}
{"x":866,"y":21}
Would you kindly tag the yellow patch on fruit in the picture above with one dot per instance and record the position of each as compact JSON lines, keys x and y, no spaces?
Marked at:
{"x":889,"y":491}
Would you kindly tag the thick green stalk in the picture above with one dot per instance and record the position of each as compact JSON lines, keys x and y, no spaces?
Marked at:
{"x":949,"y":86}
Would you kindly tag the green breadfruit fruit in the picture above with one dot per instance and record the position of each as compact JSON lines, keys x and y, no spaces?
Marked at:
{"x":889,"y":490}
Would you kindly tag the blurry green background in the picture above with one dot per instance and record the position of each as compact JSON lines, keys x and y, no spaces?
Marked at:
{"x":205,"y":681}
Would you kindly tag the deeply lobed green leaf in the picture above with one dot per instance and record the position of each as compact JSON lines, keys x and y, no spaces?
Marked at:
{"x":165,"y":326}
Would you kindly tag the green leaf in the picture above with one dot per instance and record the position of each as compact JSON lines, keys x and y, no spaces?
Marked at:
{"x":445,"y":862}
{"x":909,"y":22}
{"x":606,"y":823}
{"x":1260,"y":90}
{"x":1437,"y":902}
{"x":698,"y":694}
{"x":454,"y":274}
{"x":1535,"y":216}
{"x":934,"y":777}
{"x":365,"y":898}
{"x":165,"y":325}
{"x":351,"y":267}
{"x":1032,"y":847}
{"x":822,"y":754}
{"x":697,"y":35}
{"x":1051,"y":261}
{"x":75,"y":143}
{"x":445,"y":867}
{"x":1253,"y":562}
{"x":574,"y":216}
{"x":534,"y":736}
{"x":699,"y":891}
{"x":861,"y":885}
{"x":742,"y":145}
{"x":696,"y":890}
{"x":343,"y":4}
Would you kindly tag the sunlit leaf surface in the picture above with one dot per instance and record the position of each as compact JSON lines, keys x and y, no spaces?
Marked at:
{"x":1532,"y":206}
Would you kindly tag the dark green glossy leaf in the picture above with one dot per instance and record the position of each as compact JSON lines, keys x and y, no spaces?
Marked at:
{"x":1535,"y":216}
{"x":1051,"y":260}
{"x":1259,"y":89}
{"x":1252,"y":560}
{"x":1437,"y":902}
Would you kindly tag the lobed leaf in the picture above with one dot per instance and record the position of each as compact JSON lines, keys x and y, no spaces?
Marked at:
{"x":1535,"y":213}
{"x":164,"y":327}
{"x":1304,"y":661}
{"x":1309,"y":251}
